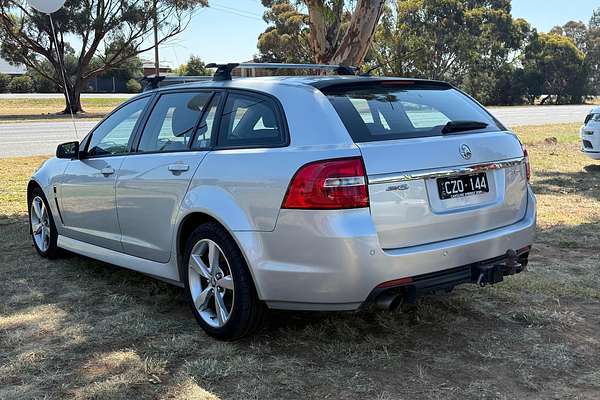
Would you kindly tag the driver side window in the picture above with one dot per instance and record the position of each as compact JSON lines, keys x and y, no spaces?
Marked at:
{"x":112,"y":136}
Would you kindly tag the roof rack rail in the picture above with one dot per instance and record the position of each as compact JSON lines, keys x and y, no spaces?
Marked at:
{"x":223,"y":72}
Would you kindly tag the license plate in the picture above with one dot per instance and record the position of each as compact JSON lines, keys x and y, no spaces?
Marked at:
{"x":463,"y":186}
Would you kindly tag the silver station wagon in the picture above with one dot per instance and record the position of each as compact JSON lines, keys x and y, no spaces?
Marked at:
{"x":323,"y":193}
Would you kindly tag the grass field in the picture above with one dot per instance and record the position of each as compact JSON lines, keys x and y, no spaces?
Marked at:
{"x":31,"y":108}
{"x":77,"y":328}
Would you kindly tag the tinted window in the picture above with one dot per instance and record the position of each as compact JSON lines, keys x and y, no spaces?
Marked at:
{"x":250,"y":121}
{"x":385,"y":111}
{"x":205,"y":129}
{"x":172,"y":122}
{"x":113,"y":134}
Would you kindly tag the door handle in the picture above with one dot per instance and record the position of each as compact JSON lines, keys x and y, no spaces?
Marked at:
{"x":107,"y":171}
{"x":178,"y":168}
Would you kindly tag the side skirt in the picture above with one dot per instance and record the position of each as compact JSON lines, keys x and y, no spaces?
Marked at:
{"x":166,"y":272}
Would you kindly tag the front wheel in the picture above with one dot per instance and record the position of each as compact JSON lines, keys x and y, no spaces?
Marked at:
{"x":219,"y":285}
{"x":41,"y":225}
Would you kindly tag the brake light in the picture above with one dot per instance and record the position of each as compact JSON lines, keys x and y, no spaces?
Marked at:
{"x":527,"y":164}
{"x":329,"y":184}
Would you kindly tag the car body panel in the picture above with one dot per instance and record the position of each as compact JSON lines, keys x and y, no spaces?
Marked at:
{"x":590,"y":136}
{"x":409,"y":212}
{"x":87,"y":201}
{"x":341,"y":260}
{"x":149,"y":197}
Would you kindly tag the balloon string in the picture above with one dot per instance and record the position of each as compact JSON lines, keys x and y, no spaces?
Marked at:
{"x":62,"y":69}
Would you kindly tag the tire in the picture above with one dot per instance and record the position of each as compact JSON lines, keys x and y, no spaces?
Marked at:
{"x":45,"y":236}
{"x":232,"y":286}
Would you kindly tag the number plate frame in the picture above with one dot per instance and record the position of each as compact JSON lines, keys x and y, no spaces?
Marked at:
{"x":463,"y":186}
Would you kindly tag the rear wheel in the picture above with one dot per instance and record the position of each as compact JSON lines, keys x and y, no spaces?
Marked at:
{"x":41,"y":225}
{"x":219,"y":285}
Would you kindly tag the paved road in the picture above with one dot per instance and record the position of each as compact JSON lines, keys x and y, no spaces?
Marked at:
{"x":540,"y":115}
{"x":32,"y":138}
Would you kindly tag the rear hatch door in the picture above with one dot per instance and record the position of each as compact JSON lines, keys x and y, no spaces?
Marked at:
{"x":428,"y":183}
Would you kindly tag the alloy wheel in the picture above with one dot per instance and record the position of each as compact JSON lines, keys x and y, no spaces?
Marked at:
{"x":40,"y":224}
{"x":211,"y":283}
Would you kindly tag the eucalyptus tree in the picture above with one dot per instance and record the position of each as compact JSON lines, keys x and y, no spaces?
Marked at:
{"x":105,"y":34}
{"x":327,"y":31}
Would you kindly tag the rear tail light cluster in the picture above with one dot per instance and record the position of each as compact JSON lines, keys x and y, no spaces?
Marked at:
{"x":527,"y":164}
{"x":329,"y":185}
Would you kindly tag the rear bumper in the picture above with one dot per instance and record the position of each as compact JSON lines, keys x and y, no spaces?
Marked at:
{"x":332,"y":260}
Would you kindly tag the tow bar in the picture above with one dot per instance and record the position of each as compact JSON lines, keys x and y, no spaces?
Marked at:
{"x":494,"y":273}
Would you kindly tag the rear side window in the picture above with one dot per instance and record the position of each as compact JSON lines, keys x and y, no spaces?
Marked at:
{"x":401,"y":110}
{"x":250,"y":121}
{"x":172,"y":122}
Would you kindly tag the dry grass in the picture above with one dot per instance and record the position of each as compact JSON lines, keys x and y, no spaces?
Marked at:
{"x":37,"y":108}
{"x":77,"y":328}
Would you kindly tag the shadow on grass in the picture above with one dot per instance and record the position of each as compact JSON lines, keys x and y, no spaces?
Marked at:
{"x":586,"y":182}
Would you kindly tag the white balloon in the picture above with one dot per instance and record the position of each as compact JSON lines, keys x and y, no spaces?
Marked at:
{"x":46,"y":6}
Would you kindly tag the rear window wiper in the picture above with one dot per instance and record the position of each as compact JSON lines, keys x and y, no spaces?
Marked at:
{"x":462,"y":126}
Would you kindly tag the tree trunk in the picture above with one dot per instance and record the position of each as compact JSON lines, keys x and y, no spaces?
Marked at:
{"x":356,"y":41}
{"x":323,"y":35}
{"x":73,"y":101}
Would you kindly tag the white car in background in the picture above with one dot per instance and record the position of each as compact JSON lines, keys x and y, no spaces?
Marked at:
{"x":590,"y":134}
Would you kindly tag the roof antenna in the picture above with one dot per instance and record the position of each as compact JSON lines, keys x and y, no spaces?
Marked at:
{"x":223,"y":72}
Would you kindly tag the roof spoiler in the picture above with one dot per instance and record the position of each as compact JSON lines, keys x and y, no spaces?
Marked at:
{"x":223,"y":72}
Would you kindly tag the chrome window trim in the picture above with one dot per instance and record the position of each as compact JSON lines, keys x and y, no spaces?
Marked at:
{"x":446,"y":172}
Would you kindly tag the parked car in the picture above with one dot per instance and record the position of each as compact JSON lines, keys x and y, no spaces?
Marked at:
{"x":325,"y":193}
{"x":590,"y":134}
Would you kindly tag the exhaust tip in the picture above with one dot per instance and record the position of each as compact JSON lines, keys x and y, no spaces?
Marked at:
{"x":389,"y":301}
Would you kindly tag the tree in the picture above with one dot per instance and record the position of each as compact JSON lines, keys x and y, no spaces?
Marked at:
{"x":593,"y":52}
{"x":286,"y":39}
{"x":133,"y":86}
{"x":331,"y":40}
{"x":21,"y":84}
{"x":574,"y":30}
{"x":468,"y":43}
{"x":561,"y":65}
{"x":194,"y":67}
{"x":114,"y":31}
{"x":4,"y":82}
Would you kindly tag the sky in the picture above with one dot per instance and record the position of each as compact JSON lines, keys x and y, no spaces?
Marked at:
{"x":228,"y":30}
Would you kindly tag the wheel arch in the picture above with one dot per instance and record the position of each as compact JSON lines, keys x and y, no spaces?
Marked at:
{"x":32,"y":184}
{"x":190,"y":222}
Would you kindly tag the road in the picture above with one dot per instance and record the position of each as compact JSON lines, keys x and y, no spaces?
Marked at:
{"x":540,"y":115}
{"x":33,"y":138}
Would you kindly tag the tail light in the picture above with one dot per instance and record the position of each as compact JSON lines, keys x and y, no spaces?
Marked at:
{"x":328,"y":185}
{"x":527,"y":164}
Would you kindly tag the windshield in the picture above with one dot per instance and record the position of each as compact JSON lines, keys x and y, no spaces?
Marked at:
{"x":403,"y":109}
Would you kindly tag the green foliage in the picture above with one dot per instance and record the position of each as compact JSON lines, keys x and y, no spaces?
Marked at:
{"x":559,"y":66}
{"x":593,"y":52}
{"x":4,"y":82}
{"x":286,"y":39}
{"x":133,"y":86}
{"x":21,"y":84}
{"x":194,"y":67}
{"x":468,"y":43}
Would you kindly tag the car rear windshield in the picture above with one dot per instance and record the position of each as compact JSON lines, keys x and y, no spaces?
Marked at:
{"x":389,"y":110}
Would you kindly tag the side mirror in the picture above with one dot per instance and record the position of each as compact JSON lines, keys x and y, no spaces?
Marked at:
{"x":68,"y":150}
